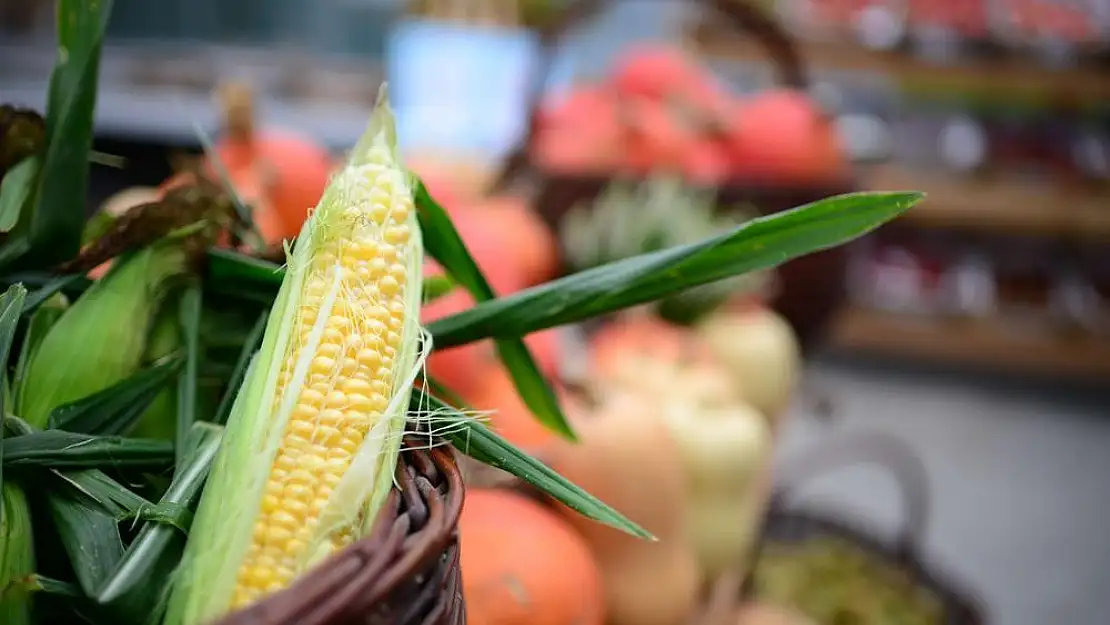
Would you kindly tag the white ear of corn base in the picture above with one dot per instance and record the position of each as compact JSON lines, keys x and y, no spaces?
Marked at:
{"x":311,"y":446}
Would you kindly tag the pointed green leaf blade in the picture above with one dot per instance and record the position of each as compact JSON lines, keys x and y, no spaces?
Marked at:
{"x":445,"y":245}
{"x":136,"y":591}
{"x":759,"y":244}
{"x":115,"y":409}
{"x":11,"y":306}
{"x":16,"y":188}
{"x":59,"y":214}
{"x":57,"y":449}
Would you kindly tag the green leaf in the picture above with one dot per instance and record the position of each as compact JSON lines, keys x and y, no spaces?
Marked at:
{"x":57,"y":449}
{"x":110,"y":496}
{"x":137,"y":589}
{"x":89,"y":535}
{"x":446,"y":246}
{"x":72,"y":286}
{"x":759,"y":244}
{"x":115,"y":409}
{"x":11,"y":306}
{"x":16,"y":189}
{"x":239,"y":269}
{"x":59,"y":215}
{"x":47,"y":290}
{"x":250,"y":346}
{"x":479,"y":442}
{"x":436,"y":287}
{"x":190,"y":312}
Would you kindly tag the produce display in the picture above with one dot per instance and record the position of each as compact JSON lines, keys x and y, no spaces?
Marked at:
{"x":660,"y":111}
{"x":835,"y":582}
{"x":197,"y":434}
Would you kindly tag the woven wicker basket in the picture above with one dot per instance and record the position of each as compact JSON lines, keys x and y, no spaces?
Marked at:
{"x":406,"y":572}
{"x":813,"y":287}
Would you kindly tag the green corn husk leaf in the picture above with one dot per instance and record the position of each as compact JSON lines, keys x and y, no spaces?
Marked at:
{"x":230,"y":502}
{"x":57,"y":449}
{"x":17,"y":558}
{"x":762,"y":243}
{"x":137,"y":590}
{"x":447,"y":247}
{"x":102,"y":338}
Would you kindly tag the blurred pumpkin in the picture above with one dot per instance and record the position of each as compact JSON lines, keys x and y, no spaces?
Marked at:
{"x":287,"y":170}
{"x":523,"y":564}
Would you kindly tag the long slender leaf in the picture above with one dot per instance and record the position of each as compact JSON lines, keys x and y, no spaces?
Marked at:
{"x":11,"y":305}
{"x":16,"y":188}
{"x":250,"y":346}
{"x":88,"y":533}
{"x":759,"y":244}
{"x":58,"y":218}
{"x":446,"y":246}
{"x":479,"y":442}
{"x":73,"y":286}
{"x":110,"y":496}
{"x":115,"y":409}
{"x":190,"y":313}
{"x":46,"y":291}
{"x":57,"y":449}
{"x":137,"y":589}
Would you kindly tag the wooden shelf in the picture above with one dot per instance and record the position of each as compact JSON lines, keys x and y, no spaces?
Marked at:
{"x":1004,"y":207}
{"x":1003,"y":77}
{"x":981,"y":343}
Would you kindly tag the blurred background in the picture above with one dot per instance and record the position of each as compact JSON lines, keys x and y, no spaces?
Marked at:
{"x":976,"y":328}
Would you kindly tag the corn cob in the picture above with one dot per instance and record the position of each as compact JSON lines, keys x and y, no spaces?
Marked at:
{"x":101,"y":339}
{"x":17,"y":560}
{"x":311,"y":445}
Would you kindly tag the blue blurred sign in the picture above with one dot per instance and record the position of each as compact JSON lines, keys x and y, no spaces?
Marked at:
{"x":460,"y":88}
